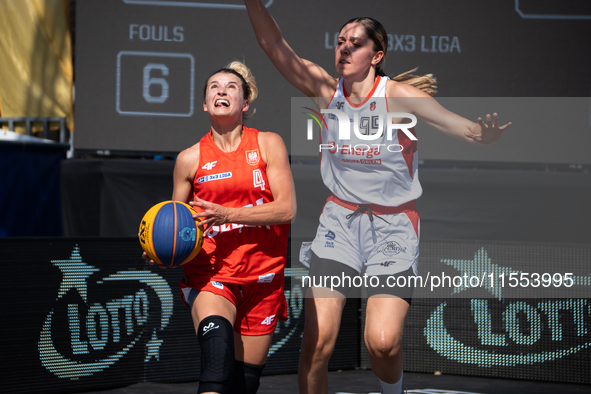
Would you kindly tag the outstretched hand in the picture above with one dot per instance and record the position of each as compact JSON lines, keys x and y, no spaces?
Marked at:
{"x":487,"y":133}
{"x":211,"y":214}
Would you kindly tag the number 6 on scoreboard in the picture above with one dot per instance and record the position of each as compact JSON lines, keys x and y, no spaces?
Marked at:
{"x":148,"y":81}
{"x":155,"y":84}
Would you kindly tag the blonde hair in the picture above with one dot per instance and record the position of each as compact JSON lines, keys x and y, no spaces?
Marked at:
{"x":427,"y":82}
{"x":252,"y":92}
{"x":249,"y":86}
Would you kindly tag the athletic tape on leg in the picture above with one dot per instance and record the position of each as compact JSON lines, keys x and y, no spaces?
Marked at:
{"x":216,"y":338}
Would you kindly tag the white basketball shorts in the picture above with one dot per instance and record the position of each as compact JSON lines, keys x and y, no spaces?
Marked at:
{"x":386,"y":245}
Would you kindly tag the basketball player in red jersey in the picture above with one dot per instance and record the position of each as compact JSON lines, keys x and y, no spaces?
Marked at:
{"x":363,"y":190}
{"x":239,"y":180}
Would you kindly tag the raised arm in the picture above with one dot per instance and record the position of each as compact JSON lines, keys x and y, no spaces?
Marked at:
{"x":304,"y":75}
{"x":281,"y":210}
{"x":406,"y":98}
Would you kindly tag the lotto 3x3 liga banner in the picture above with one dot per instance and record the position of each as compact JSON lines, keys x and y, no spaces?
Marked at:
{"x":89,"y":313}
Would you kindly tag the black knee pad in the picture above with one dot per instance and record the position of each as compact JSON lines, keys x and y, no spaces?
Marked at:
{"x":216,"y":338}
{"x":246,"y":378}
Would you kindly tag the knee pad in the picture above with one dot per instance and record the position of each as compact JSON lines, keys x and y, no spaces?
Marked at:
{"x":216,"y":338}
{"x":246,"y":378}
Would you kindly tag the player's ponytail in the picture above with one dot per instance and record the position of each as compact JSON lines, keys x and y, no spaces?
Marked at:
{"x":251,"y":91}
{"x":427,"y":82}
{"x":249,"y":85}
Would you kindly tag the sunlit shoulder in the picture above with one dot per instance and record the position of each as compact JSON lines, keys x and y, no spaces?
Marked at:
{"x":400,"y":89}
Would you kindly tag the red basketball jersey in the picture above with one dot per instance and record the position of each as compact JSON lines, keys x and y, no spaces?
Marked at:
{"x":237,"y":253}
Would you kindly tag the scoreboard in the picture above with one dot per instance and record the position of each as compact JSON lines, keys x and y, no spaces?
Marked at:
{"x":141,"y":66}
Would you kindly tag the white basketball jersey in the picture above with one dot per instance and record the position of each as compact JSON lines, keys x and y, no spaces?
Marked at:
{"x":364,"y":170}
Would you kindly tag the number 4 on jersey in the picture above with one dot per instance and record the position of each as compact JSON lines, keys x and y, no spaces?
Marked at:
{"x":257,"y":177}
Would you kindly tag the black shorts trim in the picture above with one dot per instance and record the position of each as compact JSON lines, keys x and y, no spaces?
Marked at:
{"x":323,"y":269}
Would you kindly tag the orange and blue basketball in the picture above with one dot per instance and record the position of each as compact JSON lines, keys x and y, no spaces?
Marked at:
{"x":169,"y":235}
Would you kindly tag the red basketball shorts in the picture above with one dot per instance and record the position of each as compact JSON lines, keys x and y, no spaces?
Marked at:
{"x":258,"y":306}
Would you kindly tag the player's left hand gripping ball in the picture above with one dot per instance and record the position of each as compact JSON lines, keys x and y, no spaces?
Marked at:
{"x":169,"y":235}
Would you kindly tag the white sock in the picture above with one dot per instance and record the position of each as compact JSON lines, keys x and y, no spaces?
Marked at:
{"x":391,"y":388}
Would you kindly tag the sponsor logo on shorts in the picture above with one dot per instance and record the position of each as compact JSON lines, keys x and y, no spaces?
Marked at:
{"x":218,"y":285}
{"x":392,"y":248}
{"x":209,"y":327}
{"x":267,"y":278}
{"x":214,"y":177}
{"x":330,"y":236}
{"x":387,"y":263}
{"x":268,"y":320}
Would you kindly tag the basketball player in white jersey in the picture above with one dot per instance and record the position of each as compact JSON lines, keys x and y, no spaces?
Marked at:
{"x":370,"y":220}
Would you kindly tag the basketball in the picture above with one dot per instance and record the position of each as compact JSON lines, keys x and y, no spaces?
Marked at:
{"x":169,"y":235}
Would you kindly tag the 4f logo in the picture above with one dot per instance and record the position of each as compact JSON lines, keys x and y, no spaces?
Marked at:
{"x":257,"y":177}
{"x":340,"y":104}
{"x":268,"y":320}
{"x":209,"y":166}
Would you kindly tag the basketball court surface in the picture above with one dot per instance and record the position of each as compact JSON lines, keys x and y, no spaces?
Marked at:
{"x":364,"y":382}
